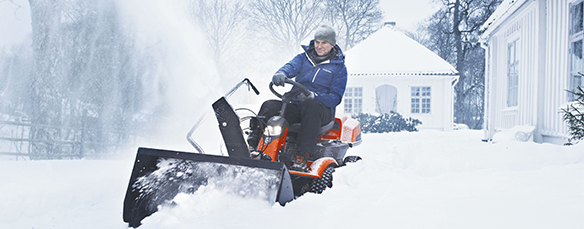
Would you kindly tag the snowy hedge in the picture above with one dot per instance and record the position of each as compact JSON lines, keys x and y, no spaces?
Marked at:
{"x":393,"y":122}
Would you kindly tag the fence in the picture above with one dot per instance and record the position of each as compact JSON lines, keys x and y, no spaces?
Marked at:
{"x":69,"y":142}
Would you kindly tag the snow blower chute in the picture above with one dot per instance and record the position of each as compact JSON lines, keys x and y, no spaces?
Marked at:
{"x":259,"y":172}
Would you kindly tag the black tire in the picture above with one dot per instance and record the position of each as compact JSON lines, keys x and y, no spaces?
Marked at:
{"x":326,"y":180}
{"x":351,"y":159}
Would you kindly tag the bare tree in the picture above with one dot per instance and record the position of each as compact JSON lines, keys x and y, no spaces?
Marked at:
{"x":224,"y":24}
{"x":354,"y":20}
{"x":420,"y":33}
{"x":286,"y":23}
{"x":454,"y":36}
{"x":437,"y":36}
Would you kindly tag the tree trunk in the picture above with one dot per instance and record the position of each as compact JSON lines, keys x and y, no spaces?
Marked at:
{"x":459,"y":89}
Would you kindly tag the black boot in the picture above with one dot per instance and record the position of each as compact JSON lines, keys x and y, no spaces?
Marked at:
{"x":300,"y":162}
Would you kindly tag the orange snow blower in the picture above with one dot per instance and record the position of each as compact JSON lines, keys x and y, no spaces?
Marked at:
{"x":160,"y":175}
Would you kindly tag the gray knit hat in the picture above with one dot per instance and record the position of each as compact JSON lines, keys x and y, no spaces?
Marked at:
{"x":326,"y":33}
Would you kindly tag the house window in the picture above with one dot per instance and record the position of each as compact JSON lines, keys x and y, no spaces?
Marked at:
{"x":512,"y":74}
{"x":421,"y":100}
{"x":576,"y":35}
{"x":353,"y":100}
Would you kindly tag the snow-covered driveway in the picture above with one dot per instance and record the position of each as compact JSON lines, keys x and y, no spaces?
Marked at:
{"x":426,"y":179}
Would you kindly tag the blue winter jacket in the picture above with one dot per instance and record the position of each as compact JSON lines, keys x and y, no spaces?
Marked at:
{"x":327,"y":79}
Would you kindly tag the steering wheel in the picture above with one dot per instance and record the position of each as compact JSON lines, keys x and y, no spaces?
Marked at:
{"x":291,"y":94}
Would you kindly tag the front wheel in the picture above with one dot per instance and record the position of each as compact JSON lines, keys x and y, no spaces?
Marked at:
{"x":351,"y":159}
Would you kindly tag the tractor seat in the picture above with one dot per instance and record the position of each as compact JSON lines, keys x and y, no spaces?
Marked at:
{"x":294,"y":128}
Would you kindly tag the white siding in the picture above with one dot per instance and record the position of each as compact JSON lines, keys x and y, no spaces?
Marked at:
{"x":521,"y":27}
{"x":556,"y":74}
{"x":542,"y":29}
{"x":528,"y":86}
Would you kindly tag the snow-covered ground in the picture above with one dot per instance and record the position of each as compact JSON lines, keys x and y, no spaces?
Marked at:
{"x":427,"y":179}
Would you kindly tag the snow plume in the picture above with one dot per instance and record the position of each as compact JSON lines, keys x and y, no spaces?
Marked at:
{"x":183,"y":79}
{"x":135,"y":67}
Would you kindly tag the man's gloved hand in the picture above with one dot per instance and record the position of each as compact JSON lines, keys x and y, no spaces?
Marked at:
{"x":302,"y":97}
{"x":279,"y":79}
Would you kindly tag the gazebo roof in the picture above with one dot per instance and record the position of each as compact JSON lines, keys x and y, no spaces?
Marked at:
{"x":390,"y":52}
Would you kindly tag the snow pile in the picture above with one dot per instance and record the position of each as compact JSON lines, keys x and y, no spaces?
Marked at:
{"x":62,"y":194}
{"x":426,"y":179}
{"x":517,"y":133}
{"x":460,"y":126}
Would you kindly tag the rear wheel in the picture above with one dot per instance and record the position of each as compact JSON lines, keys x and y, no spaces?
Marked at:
{"x":318,"y":185}
{"x":326,"y":180}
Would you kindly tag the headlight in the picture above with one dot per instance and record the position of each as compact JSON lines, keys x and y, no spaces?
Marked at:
{"x":273,"y":130}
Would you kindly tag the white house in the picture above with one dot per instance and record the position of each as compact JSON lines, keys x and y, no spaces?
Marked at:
{"x":391,"y":72}
{"x":533,"y":55}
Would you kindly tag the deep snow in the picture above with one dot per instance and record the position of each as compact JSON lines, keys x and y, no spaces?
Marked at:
{"x":427,"y":179}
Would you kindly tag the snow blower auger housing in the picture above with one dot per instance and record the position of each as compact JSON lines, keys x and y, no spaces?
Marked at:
{"x":160,"y":175}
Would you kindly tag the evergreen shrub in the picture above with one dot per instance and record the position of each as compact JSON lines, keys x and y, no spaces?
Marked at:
{"x":392,"y":122}
{"x":574,"y":116}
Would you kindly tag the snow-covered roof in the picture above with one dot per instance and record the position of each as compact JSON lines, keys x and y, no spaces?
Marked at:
{"x":390,"y":52}
{"x":502,"y":12}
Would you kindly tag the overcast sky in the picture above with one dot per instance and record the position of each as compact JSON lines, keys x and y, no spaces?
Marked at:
{"x":407,"y":13}
{"x":15,"y":21}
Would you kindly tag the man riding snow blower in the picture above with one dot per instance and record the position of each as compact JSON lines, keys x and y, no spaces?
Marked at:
{"x":259,"y":167}
{"x":321,"y":69}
